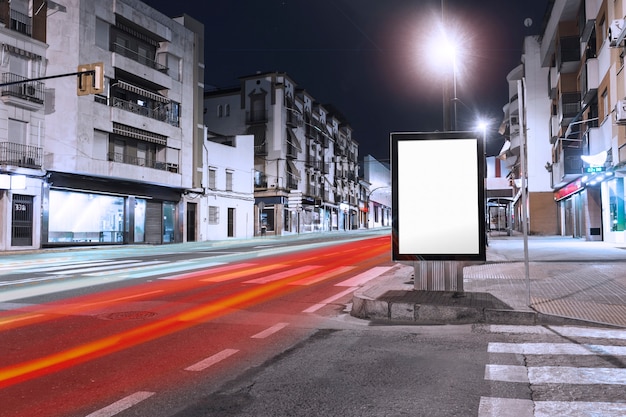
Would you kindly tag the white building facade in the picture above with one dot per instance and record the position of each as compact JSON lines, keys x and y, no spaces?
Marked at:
{"x":377,"y":199}
{"x":227,"y":202}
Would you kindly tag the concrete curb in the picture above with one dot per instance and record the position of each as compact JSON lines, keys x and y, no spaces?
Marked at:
{"x":369,"y":303}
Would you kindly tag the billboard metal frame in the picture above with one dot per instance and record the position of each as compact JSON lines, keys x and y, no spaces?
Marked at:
{"x":438,"y":196}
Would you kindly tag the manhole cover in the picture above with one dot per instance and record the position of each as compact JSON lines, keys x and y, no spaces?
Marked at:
{"x":129,"y":315}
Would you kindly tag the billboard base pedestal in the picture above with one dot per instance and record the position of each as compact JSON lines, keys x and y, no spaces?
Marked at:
{"x":439,"y":275}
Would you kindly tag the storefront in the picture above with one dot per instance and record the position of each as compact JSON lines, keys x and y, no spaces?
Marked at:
{"x":86,"y":210}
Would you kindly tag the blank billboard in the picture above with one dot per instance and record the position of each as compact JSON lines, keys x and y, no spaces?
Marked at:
{"x":438,"y":196}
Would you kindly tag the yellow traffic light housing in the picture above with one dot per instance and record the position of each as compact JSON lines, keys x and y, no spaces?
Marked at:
{"x":90,"y":79}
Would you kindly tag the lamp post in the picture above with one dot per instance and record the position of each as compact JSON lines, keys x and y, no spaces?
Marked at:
{"x":444,"y":53}
{"x":482,"y":126}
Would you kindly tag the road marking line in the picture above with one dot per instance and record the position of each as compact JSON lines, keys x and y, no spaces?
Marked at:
{"x":513,"y":407}
{"x":555,"y":375}
{"x":558,"y":330}
{"x":327,"y":301}
{"x":139,"y":266}
{"x":212,"y":360}
{"x":100,"y":266}
{"x":556,"y":349}
{"x":178,"y":266}
{"x":322,"y":276}
{"x":505,"y":407}
{"x":4,"y":322}
{"x":363,"y":277}
{"x":121,"y":405}
{"x":121,"y":298}
{"x":281,"y":275}
{"x":268,"y":332}
{"x":241,"y":273}
{"x":579,"y":408}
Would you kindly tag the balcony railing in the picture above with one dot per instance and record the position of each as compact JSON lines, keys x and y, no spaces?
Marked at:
{"x":32,"y":91}
{"x":143,"y":162}
{"x":135,"y":56}
{"x":161,"y":113}
{"x":20,"y":155}
{"x":253,"y":117}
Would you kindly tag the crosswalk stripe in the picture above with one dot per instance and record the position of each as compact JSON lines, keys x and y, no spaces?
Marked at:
{"x":322,"y":276}
{"x":220,"y":277}
{"x":505,"y":407}
{"x":579,"y":408}
{"x":281,"y":275}
{"x":513,"y":407}
{"x":567,"y":331}
{"x":555,"y":375}
{"x":556,"y":349}
{"x":363,"y":277}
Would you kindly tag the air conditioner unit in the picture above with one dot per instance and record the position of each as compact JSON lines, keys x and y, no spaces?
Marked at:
{"x":29,"y":90}
{"x":617,"y":33}
{"x":620,"y":112}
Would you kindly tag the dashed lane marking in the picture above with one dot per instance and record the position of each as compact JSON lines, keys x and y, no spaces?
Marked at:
{"x":268,"y":332}
{"x":327,"y":301}
{"x":121,"y":405}
{"x":211,"y":360}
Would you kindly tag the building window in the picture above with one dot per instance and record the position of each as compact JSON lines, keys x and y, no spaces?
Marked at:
{"x":214,"y":215}
{"x":212,"y":175}
{"x":227,"y":110}
{"x":605,"y":103}
{"x":220,"y":111}
{"x":18,"y":131}
{"x":229,"y":180}
{"x":102,"y":34}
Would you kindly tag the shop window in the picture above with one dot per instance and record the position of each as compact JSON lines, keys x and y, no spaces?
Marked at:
{"x":85,"y":217}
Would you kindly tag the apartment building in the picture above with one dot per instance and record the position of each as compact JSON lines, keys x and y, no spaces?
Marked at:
{"x":114,"y":167}
{"x":23,"y":58}
{"x":305,"y":158}
{"x":526,"y":117}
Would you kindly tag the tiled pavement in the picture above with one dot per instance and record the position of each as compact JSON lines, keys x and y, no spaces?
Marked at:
{"x":566,"y":279}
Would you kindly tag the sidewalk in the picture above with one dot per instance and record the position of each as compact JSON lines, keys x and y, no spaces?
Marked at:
{"x":569,"y":281}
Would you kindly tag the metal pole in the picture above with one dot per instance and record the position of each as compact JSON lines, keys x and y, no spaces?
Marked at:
{"x":521,"y":95}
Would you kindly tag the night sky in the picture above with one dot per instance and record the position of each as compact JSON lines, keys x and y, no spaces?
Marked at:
{"x":371,"y":59}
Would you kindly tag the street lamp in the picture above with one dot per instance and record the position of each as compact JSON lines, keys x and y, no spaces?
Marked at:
{"x":482,"y":126}
{"x":445,"y":55}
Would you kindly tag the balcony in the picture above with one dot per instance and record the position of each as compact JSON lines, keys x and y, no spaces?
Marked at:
{"x":256,"y":117}
{"x":137,"y":57}
{"x":569,"y":106}
{"x":568,"y":54}
{"x":568,"y":168}
{"x":23,"y":93}
{"x":19,"y":155}
{"x":142,"y":162}
{"x":589,"y":81}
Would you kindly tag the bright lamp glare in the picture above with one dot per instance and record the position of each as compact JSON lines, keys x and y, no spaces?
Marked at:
{"x":443,"y":52}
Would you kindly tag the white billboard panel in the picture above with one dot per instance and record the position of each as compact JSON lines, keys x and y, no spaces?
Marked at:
{"x":438,"y":196}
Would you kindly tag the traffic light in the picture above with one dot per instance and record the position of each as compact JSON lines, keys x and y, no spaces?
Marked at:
{"x":90,"y":79}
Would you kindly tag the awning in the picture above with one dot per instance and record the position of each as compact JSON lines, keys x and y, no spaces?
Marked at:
{"x":293,"y":139}
{"x":291,"y":168}
{"x":140,"y":134}
{"x":142,"y":92}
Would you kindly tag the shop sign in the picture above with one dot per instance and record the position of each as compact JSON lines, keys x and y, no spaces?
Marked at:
{"x":568,"y":190}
